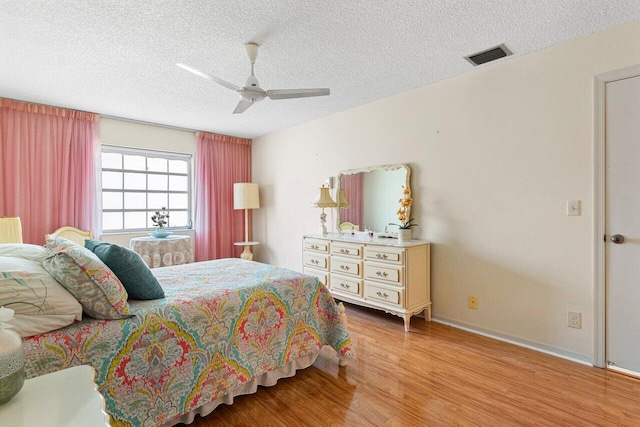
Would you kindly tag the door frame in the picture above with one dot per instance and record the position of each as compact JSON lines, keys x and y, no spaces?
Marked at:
{"x":599,"y":214}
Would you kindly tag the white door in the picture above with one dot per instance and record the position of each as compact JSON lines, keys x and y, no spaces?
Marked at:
{"x":622,"y":210}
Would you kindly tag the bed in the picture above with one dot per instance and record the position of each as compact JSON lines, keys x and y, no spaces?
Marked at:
{"x":223,"y":328}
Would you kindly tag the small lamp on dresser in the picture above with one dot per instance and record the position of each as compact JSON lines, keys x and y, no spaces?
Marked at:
{"x":342,"y":201}
{"x":323,"y":200}
{"x":245,"y":196}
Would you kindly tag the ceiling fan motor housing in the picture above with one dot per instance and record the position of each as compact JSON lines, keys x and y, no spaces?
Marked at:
{"x":253,"y":94}
{"x":252,"y":91}
{"x":252,"y":81}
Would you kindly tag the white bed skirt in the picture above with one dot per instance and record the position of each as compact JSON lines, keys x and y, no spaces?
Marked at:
{"x":267,"y":379}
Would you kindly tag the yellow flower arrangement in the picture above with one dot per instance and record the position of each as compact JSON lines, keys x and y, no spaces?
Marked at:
{"x":403,"y":211}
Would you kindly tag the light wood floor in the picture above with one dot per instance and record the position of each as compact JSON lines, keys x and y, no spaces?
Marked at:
{"x":436,"y":375}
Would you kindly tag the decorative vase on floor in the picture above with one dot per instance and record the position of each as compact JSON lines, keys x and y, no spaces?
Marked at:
{"x":11,"y":359}
{"x":404,"y":235}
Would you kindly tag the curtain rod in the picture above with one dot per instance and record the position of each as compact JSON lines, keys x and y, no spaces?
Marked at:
{"x":142,"y":122}
{"x":124,"y":119}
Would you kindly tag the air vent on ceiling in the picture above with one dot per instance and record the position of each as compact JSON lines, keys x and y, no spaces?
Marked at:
{"x":488,"y":55}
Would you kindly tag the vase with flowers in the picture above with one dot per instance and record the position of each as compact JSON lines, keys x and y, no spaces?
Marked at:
{"x":404,"y":227}
{"x":160,"y":220}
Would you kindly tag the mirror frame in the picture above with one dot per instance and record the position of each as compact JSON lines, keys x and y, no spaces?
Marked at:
{"x":371,"y":169}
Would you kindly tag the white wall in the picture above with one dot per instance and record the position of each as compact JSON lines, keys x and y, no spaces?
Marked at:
{"x":138,"y":135}
{"x":495,"y":154}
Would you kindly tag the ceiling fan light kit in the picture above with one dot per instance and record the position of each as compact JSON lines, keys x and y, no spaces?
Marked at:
{"x":252,"y":92}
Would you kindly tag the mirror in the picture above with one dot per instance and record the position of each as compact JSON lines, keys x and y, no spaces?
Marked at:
{"x":368,"y":197}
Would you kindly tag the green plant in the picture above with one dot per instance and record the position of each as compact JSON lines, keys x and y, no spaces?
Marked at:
{"x":404,"y":209}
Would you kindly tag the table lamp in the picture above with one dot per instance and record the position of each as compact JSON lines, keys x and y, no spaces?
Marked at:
{"x":323,"y":200}
{"x":245,"y":196}
{"x":342,"y":201}
{"x":10,"y":230}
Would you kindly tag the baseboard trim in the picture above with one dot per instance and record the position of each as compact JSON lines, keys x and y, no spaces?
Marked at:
{"x":532,"y":345}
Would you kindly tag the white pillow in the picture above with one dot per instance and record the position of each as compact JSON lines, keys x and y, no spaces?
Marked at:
{"x":23,"y":250}
{"x":28,"y":289}
{"x":27,"y":325}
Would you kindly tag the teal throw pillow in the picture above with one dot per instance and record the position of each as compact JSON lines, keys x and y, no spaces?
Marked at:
{"x":135,"y":275}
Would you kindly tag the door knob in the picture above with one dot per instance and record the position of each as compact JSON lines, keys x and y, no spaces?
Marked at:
{"x":617,"y":239}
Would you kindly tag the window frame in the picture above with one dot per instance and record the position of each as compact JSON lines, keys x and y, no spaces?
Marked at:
{"x":144,"y":152}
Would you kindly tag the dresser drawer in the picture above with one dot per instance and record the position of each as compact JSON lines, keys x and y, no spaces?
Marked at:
{"x":348,"y":250}
{"x":321,"y":246}
{"x":316,"y":261}
{"x":323,"y":276}
{"x":346,"y":285}
{"x":382,"y":294}
{"x":386,"y":273}
{"x":346,"y":266}
{"x":384,"y":254}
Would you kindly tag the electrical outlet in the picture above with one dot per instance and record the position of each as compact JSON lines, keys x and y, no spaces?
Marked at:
{"x":473,"y":301}
{"x":574,"y":320}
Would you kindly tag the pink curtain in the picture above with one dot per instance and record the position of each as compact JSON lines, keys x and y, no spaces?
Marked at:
{"x":47,"y":167}
{"x":353,"y":188}
{"x":221,"y":161}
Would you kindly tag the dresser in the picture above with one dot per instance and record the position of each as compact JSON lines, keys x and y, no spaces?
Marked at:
{"x":373,"y":272}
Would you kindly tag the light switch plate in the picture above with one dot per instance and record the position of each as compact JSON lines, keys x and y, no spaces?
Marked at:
{"x":329,"y":181}
{"x":573,"y":207}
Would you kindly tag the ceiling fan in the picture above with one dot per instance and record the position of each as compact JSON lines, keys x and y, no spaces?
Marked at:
{"x":252,"y":92}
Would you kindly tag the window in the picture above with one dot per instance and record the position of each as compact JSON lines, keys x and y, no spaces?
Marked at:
{"x":136,"y":183}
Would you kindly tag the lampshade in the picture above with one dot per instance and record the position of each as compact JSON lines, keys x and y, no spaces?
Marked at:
{"x":10,"y":230}
{"x":245,"y":195}
{"x":342,"y":202}
{"x":324,"y":199}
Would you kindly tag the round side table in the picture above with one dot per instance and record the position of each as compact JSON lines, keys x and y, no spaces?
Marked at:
{"x":247,"y":254}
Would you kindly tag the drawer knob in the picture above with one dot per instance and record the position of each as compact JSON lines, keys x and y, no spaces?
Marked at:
{"x":343,"y":285}
{"x":381,"y":273}
{"x":314,"y":246}
{"x":315,"y":261}
{"x":344,"y":267}
{"x":381,"y":256}
{"x":383,"y":295}
{"x":344,"y":251}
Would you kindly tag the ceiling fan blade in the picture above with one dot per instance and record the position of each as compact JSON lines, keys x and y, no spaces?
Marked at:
{"x":242,"y":106}
{"x":296,"y":93}
{"x":208,"y":77}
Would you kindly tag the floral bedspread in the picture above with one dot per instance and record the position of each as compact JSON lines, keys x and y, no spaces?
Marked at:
{"x":222,"y":323}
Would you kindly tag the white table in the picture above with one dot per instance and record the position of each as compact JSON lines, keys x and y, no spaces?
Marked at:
{"x":171,"y":250}
{"x":66,"y":398}
{"x":246,"y":254}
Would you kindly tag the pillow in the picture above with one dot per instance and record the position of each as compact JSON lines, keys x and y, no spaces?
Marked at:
{"x":26,"y":251}
{"x":82,"y":273}
{"x":56,"y":244}
{"x":132,"y":271}
{"x":27,"y":325}
{"x":41,"y":304}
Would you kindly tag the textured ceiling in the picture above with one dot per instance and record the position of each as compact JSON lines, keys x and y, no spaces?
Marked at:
{"x":117,"y":57}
